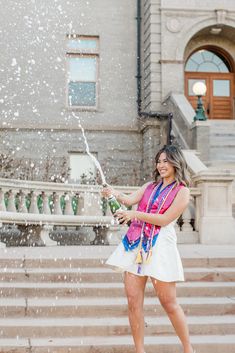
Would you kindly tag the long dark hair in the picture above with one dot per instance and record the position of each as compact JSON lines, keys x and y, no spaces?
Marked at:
{"x":175,"y":157}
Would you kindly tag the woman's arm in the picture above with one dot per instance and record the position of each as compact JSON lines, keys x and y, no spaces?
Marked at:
{"x":178,"y":206}
{"x":127,"y":200}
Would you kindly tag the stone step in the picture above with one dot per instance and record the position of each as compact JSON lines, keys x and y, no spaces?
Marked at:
{"x":197,"y":255}
{"x":221,"y":164}
{"x":222,"y":130}
{"x":114,"y":289}
{"x":117,"y":344}
{"x":104,"y":274}
{"x":73,"y":327}
{"x":222,"y":146}
{"x":86,"y":307}
{"x":222,"y":124}
{"x":12,"y":263}
{"x":222,"y":142}
{"x":227,"y":153}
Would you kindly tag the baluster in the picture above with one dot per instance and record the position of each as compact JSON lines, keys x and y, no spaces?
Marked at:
{"x":11,"y":207}
{"x":57,"y":206}
{"x":177,"y":228}
{"x":196,"y":212}
{"x":2,"y":201}
{"x":80,"y":208}
{"x":34,"y":203}
{"x":187,"y":227}
{"x":45,"y":203}
{"x":68,"y":204}
{"x":22,"y":203}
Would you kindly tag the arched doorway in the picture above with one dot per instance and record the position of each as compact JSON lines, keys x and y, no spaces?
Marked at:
{"x":213,"y":67}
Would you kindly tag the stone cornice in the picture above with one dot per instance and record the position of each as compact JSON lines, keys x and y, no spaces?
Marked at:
{"x":215,"y":176}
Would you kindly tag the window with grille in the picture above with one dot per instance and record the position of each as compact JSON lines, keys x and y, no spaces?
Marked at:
{"x":82,"y":61}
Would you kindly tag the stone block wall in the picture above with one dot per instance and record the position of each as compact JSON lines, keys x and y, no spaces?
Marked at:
{"x":119,"y":152}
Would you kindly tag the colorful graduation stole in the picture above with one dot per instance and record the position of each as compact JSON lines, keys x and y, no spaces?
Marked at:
{"x":144,"y":235}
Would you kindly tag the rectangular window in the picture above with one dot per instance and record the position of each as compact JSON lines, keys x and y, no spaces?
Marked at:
{"x":82,"y":168}
{"x":221,"y":88}
{"x":82,"y":63}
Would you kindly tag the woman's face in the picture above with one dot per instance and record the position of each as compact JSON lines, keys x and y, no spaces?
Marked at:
{"x":165,"y":168}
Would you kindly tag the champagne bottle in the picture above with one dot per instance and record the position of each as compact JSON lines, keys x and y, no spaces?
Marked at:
{"x":113,"y":204}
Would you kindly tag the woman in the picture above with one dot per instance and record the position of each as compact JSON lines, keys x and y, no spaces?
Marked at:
{"x":149,"y":248}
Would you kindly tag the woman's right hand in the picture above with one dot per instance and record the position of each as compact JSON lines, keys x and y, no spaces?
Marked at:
{"x":107,"y":191}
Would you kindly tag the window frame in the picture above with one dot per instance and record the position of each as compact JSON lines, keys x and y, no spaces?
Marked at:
{"x":83,"y":53}
{"x":223,"y":54}
{"x":77,"y":154}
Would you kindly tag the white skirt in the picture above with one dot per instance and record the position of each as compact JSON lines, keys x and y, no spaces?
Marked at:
{"x":165,"y":264}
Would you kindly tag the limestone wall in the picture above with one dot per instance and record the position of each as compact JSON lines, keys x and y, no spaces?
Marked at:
{"x":33,"y":62}
{"x":119,"y":153}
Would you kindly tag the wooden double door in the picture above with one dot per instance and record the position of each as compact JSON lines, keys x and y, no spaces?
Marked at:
{"x":219,"y":98}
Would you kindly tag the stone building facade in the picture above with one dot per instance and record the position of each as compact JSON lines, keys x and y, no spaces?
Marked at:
{"x":43,"y":66}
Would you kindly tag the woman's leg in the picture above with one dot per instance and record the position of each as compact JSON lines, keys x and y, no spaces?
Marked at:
{"x":166,"y":292}
{"x":134,"y":288}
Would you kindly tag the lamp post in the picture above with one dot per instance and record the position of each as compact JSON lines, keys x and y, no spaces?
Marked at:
{"x":199,"y":89}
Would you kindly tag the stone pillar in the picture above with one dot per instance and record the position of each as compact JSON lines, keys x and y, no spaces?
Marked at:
{"x":216,"y":223}
{"x":154,"y":134}
{"x":201,"y":138}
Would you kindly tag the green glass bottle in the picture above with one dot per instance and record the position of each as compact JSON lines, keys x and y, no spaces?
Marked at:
{"x":113,"y":204}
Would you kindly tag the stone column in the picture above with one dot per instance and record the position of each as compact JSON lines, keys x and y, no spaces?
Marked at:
{"x":201,"y":138}
{"x":216,"y":223}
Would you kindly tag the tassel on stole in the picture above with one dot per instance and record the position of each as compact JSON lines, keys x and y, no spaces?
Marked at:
{"x":139,"y":257}
{"x":149,"y":256}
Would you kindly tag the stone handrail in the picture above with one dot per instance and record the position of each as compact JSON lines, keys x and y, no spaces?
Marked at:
{"x":50,"y":204}
{"x":183,"y":118}
{"x":189,"y":133}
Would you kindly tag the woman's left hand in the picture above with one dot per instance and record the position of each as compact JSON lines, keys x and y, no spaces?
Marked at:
{"x":125,"y":216}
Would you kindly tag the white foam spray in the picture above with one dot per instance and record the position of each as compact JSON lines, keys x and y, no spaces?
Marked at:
{"x":94,"y":159}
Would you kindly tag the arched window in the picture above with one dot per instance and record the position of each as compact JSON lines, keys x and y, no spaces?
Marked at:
{"x":215,"y":68}
{"x":206,"y":61}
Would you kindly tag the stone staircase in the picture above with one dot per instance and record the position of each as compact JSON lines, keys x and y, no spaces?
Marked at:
{"x":63,"y":299}
{"x":222,"y":141}
{"x":222,"y":147}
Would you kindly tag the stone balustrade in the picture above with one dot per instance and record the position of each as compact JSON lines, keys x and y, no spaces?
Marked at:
{"x":42,"y":206}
